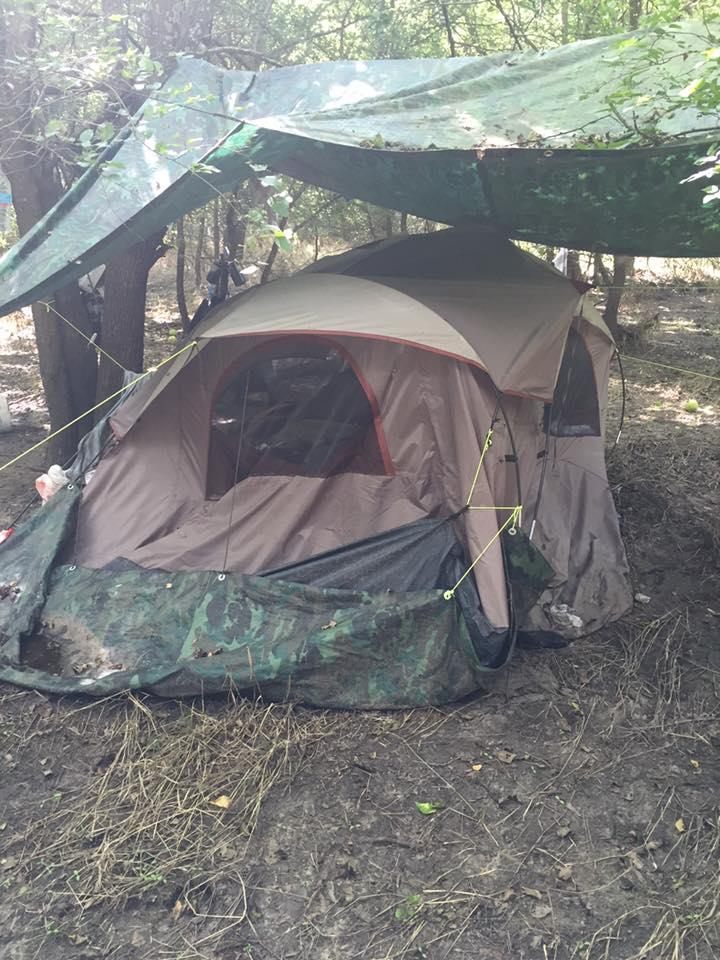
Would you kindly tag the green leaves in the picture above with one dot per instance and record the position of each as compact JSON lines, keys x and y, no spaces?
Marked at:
{"x":280,"y":202}
{"x":410,"y":906}
{"x":283,"y":238}
{"x":428,"y":807}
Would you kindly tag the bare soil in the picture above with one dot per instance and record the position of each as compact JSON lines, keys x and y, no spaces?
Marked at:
{"x":576,"y":807}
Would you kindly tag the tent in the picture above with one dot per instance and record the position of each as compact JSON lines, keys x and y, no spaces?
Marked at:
{"x":354,"y":487}
{"x":530,"y":144}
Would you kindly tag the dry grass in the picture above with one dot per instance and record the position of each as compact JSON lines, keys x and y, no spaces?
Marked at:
{"x":172,"y":808}
{"x":686,"y":929}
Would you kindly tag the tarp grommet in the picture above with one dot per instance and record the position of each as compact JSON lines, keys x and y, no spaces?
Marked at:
{"x":221,"y":577}
{"x":449,"y":594}
{"x":72,"y":567}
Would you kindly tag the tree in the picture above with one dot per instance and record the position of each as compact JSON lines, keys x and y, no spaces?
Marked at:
{"x":67,"y":368}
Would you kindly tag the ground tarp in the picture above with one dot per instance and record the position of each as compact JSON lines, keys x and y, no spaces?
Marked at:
{"x":65,"y":628}
{"x":519,"y":142}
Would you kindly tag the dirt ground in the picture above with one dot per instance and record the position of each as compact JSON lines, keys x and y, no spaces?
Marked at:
{"x":576,"y":807}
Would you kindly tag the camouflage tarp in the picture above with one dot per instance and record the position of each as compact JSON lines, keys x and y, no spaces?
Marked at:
{"x":101,"y":631}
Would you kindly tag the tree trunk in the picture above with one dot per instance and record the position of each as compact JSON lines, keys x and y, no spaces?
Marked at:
{"x":123,"y":326}
{"x":620,"y":272}
{"x":200,"y":250}
{"x":235,"y":226}
{"x":216,"y":227}
{"x":403,"y":223}
{"x":634,"y":13}
{"x":180,"y":275}
{"x":68,"y":367}
{"x":449,"y":30}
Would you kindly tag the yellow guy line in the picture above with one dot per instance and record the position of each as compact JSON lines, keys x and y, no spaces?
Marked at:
{"x":97,"y":406}
{"x":515,"y":517}
{"x":486,"y":447}
{"x":667,"y":366}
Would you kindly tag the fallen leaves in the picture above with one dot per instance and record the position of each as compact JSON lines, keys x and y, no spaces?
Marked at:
{"x":531,"y":892}
{"x":428,"y":807}
{"x":505,"y":756}
{"x":680,"y":825}
{"x":223,"y":801}
{"x":541,"y":911}
{"x":565,"y":872}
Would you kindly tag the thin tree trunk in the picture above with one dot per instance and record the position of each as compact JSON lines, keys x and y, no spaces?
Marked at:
{"x":371,"y":225}
{"x":235,"y":226}
{"x":389,"y":223}
{"x":600,"y":274}
{"x":123,"y":326}
{"x":403,"y":223}
{"x":180,"y":275}
{"x":634,"y":13}
{"x":200,"y":250}
{"x":216,"y":227}
{"x":449,"y":30}
{"x":620,"y":271}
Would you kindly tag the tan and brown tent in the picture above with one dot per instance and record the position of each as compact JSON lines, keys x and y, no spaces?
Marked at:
{"x":420,"y":417}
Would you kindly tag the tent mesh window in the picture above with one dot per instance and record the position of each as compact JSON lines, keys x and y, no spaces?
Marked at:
{"x":296,"y":409}
{"x":575,"y":411}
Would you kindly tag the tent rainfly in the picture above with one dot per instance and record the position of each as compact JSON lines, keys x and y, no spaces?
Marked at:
{"x":356,"y":487}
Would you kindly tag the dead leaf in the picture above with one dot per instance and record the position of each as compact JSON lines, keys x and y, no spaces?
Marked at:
{"x":541,"y":911}
{"x":565,"y":872}
{"x":177,"y":910}
{"x":506,"y":895}
{"x":653,"y":845}
{"x":223,"y":801}
{"x":695,"y":764}
{"x":633,"y":859}
{"x":504,"y":756}
{"x":476,"y":767}
{"x":680,"y":825}
{"x":531,"y":892}
{"x":563,"y":832}
{"x":329,"y":625}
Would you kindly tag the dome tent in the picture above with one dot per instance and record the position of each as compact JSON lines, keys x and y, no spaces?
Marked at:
{"x":331,"y":496}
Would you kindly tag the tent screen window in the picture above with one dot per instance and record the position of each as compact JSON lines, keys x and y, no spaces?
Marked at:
{"x":575,"y":411}
{"x":296,"y":411}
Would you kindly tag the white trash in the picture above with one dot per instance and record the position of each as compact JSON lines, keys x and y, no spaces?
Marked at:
{"x":5,"y":418}
{"x":49,"y":483}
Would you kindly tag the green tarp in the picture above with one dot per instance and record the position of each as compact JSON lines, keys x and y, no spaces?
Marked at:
{"x":523,"y":143}
{"x":185,"y":633}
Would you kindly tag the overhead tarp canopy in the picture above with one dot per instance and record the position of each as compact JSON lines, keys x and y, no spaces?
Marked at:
{"x":521,"y":142}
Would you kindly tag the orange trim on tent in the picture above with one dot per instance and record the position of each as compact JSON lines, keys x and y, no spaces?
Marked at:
{"x":243,"y":360}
